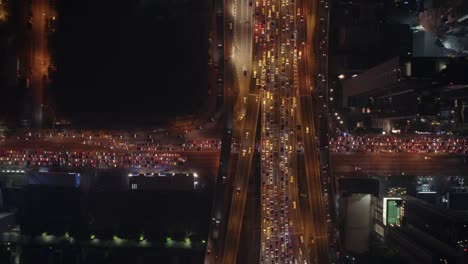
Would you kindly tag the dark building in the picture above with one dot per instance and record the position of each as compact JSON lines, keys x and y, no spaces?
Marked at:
{"x":457,"y":200}
{"x":430,"y":234}
{"x":446,"y":225}
{"x":363,"y":34}
{"x":57,"y":179}
{"x":366,"y":33}
{"x":364,"y":186}
{"x":408,"y":94}
{"x":359,"y":47}
{"x":163,"y":181}
{"x":112,"y":226}
{"x":356,"y":196}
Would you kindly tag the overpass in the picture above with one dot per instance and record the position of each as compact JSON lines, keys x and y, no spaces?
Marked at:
{"x":271,"y":88}
{"x":388,"y":164}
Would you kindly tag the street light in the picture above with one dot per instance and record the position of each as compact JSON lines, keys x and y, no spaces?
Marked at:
{"x":341,"y":76}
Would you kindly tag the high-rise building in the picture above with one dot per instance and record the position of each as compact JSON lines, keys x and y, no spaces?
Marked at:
{"x":409,"y":94}
{"x":429,"y":234}
{"x":356,"y":196}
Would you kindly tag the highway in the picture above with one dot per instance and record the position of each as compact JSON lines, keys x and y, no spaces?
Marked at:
{"x":246,"y":112}
{"x":315,"y":230}
{"x":280,"y":83}
{"x":244,"y":101}
{"x":241,"y":181}
{"x":316,"y":234}
{"x":281,"y":226}
{"x":241,"y":50}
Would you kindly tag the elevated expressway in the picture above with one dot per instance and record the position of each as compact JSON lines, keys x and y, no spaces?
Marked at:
{"x":272,"y":82}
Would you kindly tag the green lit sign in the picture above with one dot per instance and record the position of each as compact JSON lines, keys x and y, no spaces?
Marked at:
{"x":392,"y":211}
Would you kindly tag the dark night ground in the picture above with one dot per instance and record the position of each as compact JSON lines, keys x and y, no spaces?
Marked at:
{"x":128,"y":63}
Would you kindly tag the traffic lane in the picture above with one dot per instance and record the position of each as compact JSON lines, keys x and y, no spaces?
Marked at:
{"x":40,"y":10}
{"x":290,"y":187}
{"x":298,"y":226}
{"x":243,"y":45}
{"x":321,"y":239}
{"x":303,"y":178}
{"x":221,"y":213}
{"x":294,"y":192}
{"x":265,"y":225}
{"x":216,"y":242}
{"x":241,"y":182}
{"x":315,"y":201}
{"x":309,"y":223}
{"x":237,"y":209}
{"x":234,"y":52}
{"x":238,"y":203}
{"x":304,"y":207}
{"x":358,"y":164}
{"x":320,"y":245}
{"x":39,"y":55}
{"x":315,"y":191}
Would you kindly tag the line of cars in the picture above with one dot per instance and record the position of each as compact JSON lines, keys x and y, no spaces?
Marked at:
{"x":276,"y":52}
{"x":92,"y":159}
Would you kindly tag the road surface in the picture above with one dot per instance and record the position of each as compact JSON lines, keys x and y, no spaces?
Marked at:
{"x":386,"y":164}
{"x":40,"y":55}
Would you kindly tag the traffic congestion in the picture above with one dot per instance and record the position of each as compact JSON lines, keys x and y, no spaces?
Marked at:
{"x":155,"y":140}
{"x":400,"y":143}
{"x":155,"y":150}
{"x":275,"y":73}
{"x":97,"y":159}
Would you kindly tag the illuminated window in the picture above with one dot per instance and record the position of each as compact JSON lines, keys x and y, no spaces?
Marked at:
{"x":408,"y":69}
